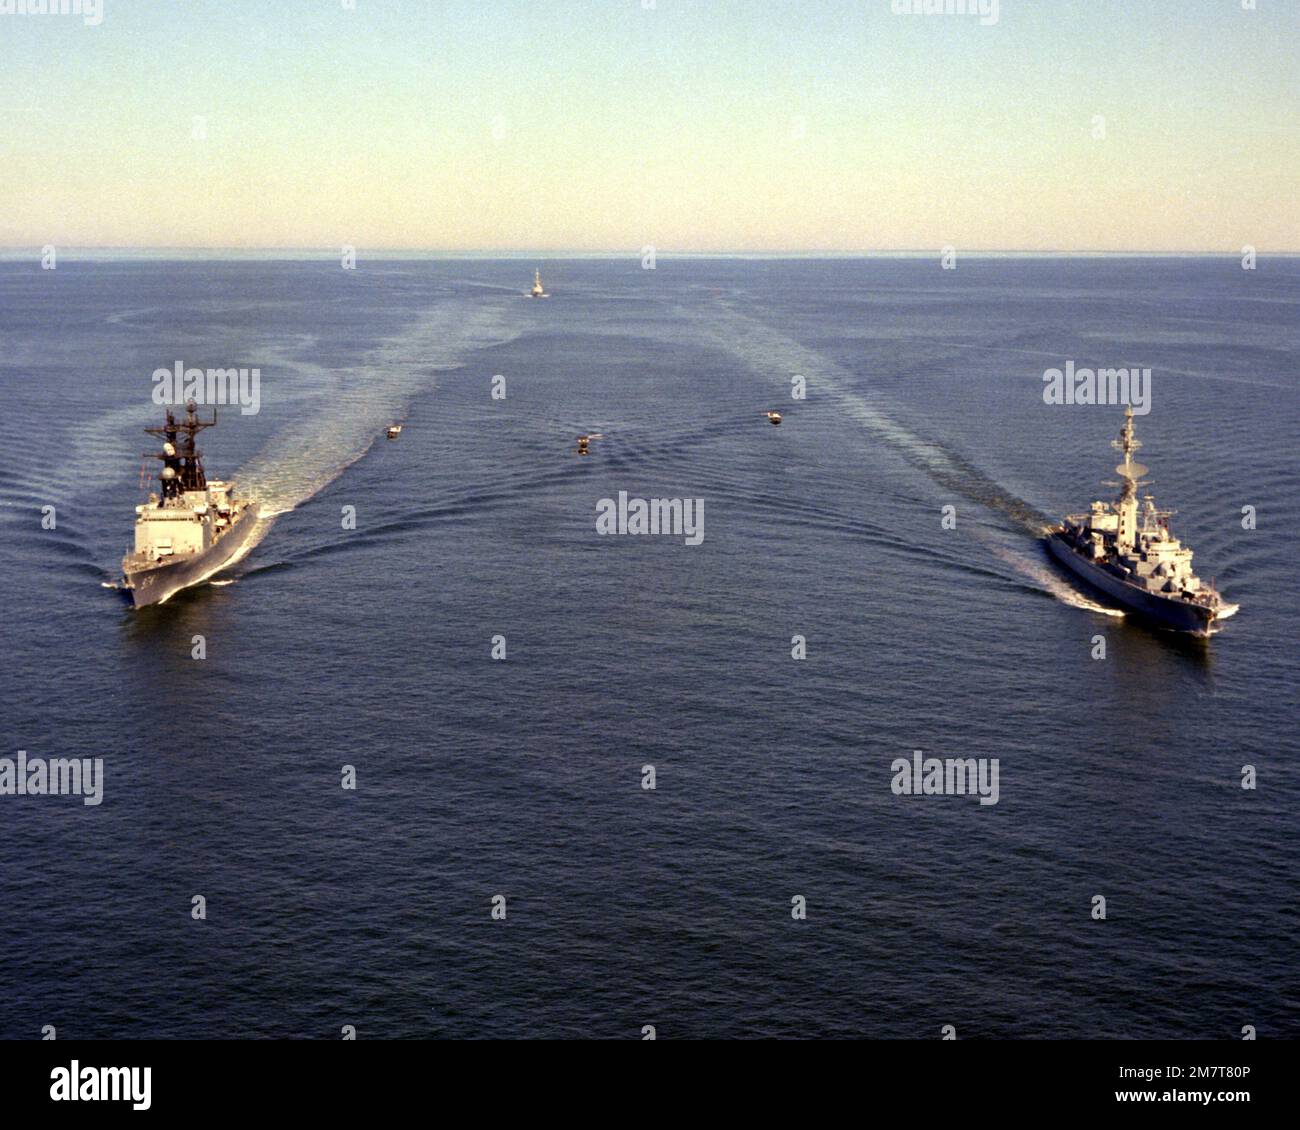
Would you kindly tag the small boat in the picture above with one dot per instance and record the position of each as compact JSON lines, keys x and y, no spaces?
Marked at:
{"x":537,"y":291}
{"x":394,"y":430}
{"x":584,"y":441}
{"x":774,"y":417}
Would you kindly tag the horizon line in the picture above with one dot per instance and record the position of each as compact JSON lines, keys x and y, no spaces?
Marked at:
{"x":9,"y":251}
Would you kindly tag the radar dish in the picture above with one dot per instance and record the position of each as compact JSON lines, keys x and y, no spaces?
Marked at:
{"x":1132,"y":470}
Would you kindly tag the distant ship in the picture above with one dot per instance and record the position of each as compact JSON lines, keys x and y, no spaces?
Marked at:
{"x":1145,"y":568}
{"x":193,"y":528}
{"x":537,"y":291}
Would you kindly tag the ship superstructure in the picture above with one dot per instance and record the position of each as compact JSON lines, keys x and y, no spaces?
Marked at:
{"x":192,"y":527}
{"x":1128,"y":551}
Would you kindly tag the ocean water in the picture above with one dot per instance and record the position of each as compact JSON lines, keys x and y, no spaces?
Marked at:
{"x":372,"y":647}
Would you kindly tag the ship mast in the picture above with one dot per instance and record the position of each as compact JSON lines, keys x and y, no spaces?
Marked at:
{"x":182,"y":461}
{"x":1131,"y":472}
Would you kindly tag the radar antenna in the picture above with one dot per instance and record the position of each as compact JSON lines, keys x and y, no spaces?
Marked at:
{"x":1130,"y":471}
{"x":179,"y":455}
{"x":1131,"y":474}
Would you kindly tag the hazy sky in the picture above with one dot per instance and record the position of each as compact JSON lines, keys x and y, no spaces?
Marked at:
{"x":692,"y":125}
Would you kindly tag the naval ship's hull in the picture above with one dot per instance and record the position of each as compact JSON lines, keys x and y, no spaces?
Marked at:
{"x":1170,"y":612}
{"x":157,"y":582}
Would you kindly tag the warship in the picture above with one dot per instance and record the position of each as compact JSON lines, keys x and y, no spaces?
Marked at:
{"x":538,"y":291}
{"x":1142,"y":566}
{"x":193,"y":527}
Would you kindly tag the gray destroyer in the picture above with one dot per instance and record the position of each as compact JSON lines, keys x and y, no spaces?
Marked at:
{"x":193,"y":527}
{"x":1134,"y":557}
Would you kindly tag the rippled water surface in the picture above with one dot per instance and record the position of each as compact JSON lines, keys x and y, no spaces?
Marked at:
{"x":371,"y":647}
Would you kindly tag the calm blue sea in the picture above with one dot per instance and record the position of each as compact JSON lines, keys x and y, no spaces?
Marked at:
{"x":372,"y":647}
